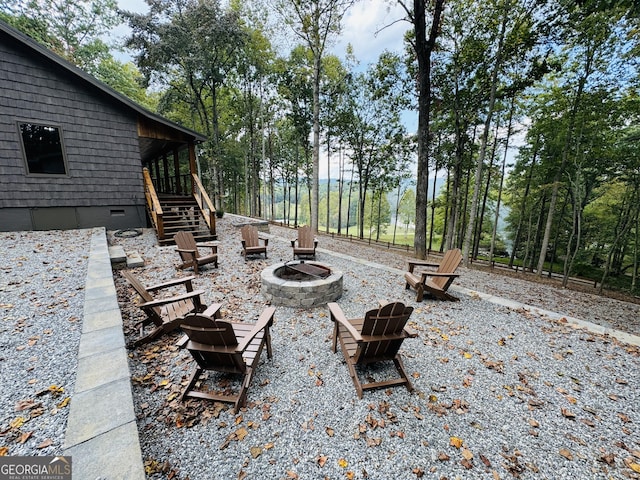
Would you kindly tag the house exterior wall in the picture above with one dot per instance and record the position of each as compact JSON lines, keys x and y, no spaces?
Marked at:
{"x":103,"y":185}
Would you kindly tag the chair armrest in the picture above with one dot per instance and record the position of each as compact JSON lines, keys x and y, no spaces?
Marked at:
{"x":439,"y":274}
{"x":410,"y":332}
{"x":419,"y":263}
{"x":177,"y":298}
{"x":266,"y":241}
{"x":186,"y":250}
{"x":315,"y":243}
{"x":244,"y":243}
{"x":214,"y":248}
{"x":213,"y":311}
{"x":337,"y":315}
{"x":265,"y":320}
{"x":382,"y":338}
{"x":172,"y":283}
{"x":182,"y":342}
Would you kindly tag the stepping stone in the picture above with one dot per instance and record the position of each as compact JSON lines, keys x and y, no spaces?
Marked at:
{"x":116,"y":254}
{"x":134,"y":260}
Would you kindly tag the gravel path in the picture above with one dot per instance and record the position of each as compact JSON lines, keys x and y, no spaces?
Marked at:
{"x":498,"y":393}
{"x":41,"y":304}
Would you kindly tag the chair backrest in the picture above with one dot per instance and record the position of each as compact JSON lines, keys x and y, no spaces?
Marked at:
{"x":141,"y":290}
{"x":215,"y":343}
{"x":449,"y":264}
{"x":250,"y":235}
{"x":305,"y":237}
{"x":390,"y":319}
{"x":137,"y":286}
{"x":185,"y":241}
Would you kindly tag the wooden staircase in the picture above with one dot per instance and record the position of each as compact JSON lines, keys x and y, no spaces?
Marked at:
{"x":182,"y":213}
{"x":171,"y":213}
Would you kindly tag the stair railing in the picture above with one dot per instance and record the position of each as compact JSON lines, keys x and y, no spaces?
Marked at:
{"x":153,"y":204}
{"x":205,"y":204}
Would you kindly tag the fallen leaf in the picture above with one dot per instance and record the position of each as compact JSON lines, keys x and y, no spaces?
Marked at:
{"x":17,"y":422}
{"x":255,"y":451}
{"x":608,"y":458}
{"x":632,"y":465}
{"x":568,"y":413}
{"x":624,"y":418}
{"x":455,"y":442}
{"x":330,"y":431}
{"x":322,"y":459}
{"x":342,"y":463}
{"x":466,"y":454}
{"x":468,"y":464}
{"x":566,"y":453}
{"x":48,"y":442}
{"x":24,"y":437}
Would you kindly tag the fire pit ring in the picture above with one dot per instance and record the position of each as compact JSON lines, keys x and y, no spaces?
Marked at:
{"x":301,"y":284}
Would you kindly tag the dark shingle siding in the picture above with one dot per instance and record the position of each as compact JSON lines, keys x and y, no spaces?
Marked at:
{"x":102,"y":153}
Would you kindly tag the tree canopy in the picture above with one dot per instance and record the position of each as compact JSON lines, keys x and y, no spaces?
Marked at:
{"x":527,"y":138}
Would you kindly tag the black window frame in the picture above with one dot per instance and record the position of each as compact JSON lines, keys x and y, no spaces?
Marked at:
{"x":61,"y":156}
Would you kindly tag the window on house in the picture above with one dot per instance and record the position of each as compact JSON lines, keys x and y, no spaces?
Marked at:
{"x":43,"y":149}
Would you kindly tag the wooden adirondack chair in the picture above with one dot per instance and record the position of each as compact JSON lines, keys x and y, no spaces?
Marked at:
{"x":375,"y":338}
{"x":188,"y":249}
{"x":251,"y":242}
{"x":222,"y":346}
{"x":306,"y":243}
{"x":164,"y":313}
{"x":434,"y":282}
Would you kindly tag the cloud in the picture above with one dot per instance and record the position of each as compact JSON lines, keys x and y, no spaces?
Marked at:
{"x":372,"y":27}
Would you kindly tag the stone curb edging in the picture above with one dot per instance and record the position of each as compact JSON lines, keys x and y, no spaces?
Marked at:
{"x":102,"y":434}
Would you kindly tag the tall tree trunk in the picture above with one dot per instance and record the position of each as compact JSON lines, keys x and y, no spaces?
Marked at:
{"x":502,"y":170}
{"x":315,"y":183}
{"x":349,"y":202}
{"x":328,"y":180}
{"x":433,"y":210}
{"x":636,"y":255}
{"x":565,"y":154}
{"x":485,"y":136}
{"x":378,"y":219}
{"x":523,"y":204}
{"x":340,"y":188}
{"x":447,"y":212}
{"x":485,"y":196}
{"x":395,"y":222}
{"x":423,"y":48}
{"x":627,"y":216}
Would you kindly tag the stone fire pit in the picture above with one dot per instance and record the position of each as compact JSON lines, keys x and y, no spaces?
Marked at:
{"x":301,"y":284}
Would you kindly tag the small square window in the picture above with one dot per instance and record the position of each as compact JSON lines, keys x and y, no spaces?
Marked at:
{"x":43,"y":149}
